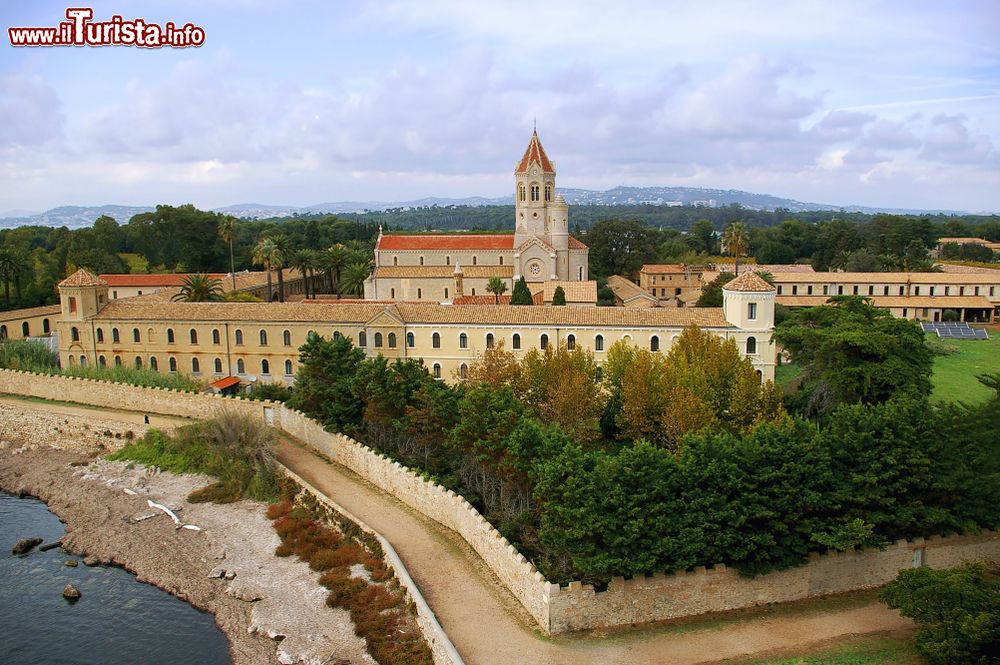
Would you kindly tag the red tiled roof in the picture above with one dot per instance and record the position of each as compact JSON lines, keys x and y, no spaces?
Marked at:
{"x":82,"y":277}
{"x":456,"y":241}
{"x":481,"y":300}
{"x":166,"y":279}
{"x":576,"y":244}
{"x":535,"y":154}
{"x":222,"y":384}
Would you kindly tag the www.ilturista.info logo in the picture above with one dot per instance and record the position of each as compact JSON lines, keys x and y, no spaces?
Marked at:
{"x":80,"y":30}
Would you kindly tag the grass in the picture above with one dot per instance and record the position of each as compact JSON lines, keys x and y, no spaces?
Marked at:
{"x":786,"y":373}
{"x":136,"y":263}
{"x":954,"y":377}
{"x":867,"y":651}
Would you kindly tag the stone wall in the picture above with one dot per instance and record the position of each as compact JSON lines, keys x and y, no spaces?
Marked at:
{"x":660,"y":597}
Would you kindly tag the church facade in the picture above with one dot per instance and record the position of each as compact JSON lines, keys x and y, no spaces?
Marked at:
{"x":443,"y":267}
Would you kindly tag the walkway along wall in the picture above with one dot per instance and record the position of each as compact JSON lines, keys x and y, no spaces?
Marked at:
{"x":556,"y":609}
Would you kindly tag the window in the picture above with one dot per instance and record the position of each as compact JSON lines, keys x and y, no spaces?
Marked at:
{"x":239,"y":337}
{"x":74,"y":334}
{"x":751,"y":345}
{"x":195,"y":366}
{"x":138,"y":362}
{"x":446,"y":293}
{"x":172,"y":364}
{"x":135,"y":335}
{"x":570,"y":342}
{"x":809,"y":289}
{"x":932,"y":290}
{"x":437,"y":371}
{"x":118,"y":361}
{"x":45,"y":326}
{"x":489,"y":341}
{"x":779,"y":289}
{"x":516,"y":341}
{"x":216,"y":337}
{"x":599,"y":374}
{"x":463,"y":341}
{"x":410,"y":340}
{"x":72,"y":359}
{"x":288,"y":368}
{"x":548,"y":192}
{"x":263,"y":337}
{"x":654,"y":343}
{"x":447,"y":260}
{"x":916,"y":290}
{"x":885,"y":290}
{"x":241,"y":367}
{"x":83,"y":361}
{"x":265,"y":367}
{"x":218,"y":365}
{"x":378,"y":340}
{"x":752,"y":311}
{"x":840,"y":290}
{"x":795,"y":289}
{"x":392,"y":293}
{"x":904,"y":312}
{"x":153,"y":365}
{"x":420,"y":294}
{"x":336,"y":335}
{"x":521,"y":192}
{"x":599,"y":343}
{"x":544,"y":342}
{"x":193,"y":336}
{"x":463,"y":371}
{"x":395,"y":260}
{"x":826,"y":290}
{"x":392,"y":340}
{"x":855,"y":289}
{"x":3,"y":332}
{"x":947,"y":290}
{"x":902,"y":290}
{"x":473,"y":260}
{"x":286,"y":338}
{"x":102,"y":361}
{"x":25,"y":329}
{"x":100,"y":335}
{"x":362,"y":338}
{"x":501,"y":260}
{"x":871,"y":290}
{"x":421,"y":260}
{"x":436,"y":340}
{"x":534,"y":192}
{"x":72,"y":304}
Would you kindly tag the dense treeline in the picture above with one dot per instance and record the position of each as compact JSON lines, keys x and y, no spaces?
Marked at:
{"x":664,"y":462}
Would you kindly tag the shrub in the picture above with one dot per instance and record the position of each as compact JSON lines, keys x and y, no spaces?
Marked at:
{"x":26,"y":355}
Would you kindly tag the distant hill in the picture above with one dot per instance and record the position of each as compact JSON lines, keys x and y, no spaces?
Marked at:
{"x":78,"y":216}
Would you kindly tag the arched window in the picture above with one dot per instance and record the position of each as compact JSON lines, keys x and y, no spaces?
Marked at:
{"x":153,"y":365}
{"x":421,"y":260}
{"x":473,"y":260}
{"x":286,"y":337}
{"x":100,"y":335}
{"x":216,"y":337}
{"x":135,"y":335}
{"x":420,"y":294}
{"x":83,"y":361}
{"x":463,"y":341}
{"x":74,"y":334}
{"x":170,"y":335}
{"x":392,"y":293}
{"x":534,"y":192}
{"x":392,"y":340}
{"x":410,"y":341}
{"x":571,"y":342}
{"x":437,"y":370}
{"x":172,"y":364}
{"x":265,"y":367}
{"x":395,"y":260}
{"x":516,"y":341}
{"x":436,"y":340}
{"x":263,"y":337}
{"x":118,"y":361}
{"x":102,"y":361}
{"x":241,"y":367}
{"x":581,"y":274}
{"x":654,"y":343}
{"x":751,"y":345}
{"x":45,"y":327}
{"x":599,"y":343}
{"x":543,"y":343}
{"x":362,"y":338}
{"x":25,"y":329}
{"x":548,"y":192}
{"x":115,"y":337}
{"x":463,"y":371}
{"x":239,"y":337}
{"x":501,"y":260}
{"x":138,"y":362}
{"x":336,"y":335}
{"x":195,"y":366}
{"x":521,"y":192}
{"x":193,"y":335}
{"x":378,"y":340}
{"x":288,"y":368}
{"x":447,"y":260}
{"x":489,"y":340}
{"x":599,"y":374}
{"x":218,"y":365}
{"x":72,"y":359}
{"x":3,"y":332}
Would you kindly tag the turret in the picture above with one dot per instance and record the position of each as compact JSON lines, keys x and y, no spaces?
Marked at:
{"x":748,"y":302}
{"x":82,"y":295}
{"x":459,"y":278}
{"x":534,"y":190}
{"x":558,"y":223}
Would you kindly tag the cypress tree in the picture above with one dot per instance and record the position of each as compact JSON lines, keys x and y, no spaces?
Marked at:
{"x":521,"y":295}
{"x":559,"y":297}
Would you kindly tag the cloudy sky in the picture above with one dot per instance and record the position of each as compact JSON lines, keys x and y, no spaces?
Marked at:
{"x":892,"y":104}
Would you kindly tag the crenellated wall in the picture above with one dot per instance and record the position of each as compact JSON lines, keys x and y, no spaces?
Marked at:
{"x":555,"y":609}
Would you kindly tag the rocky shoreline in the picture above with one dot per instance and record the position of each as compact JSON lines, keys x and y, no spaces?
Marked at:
{"x":272,"y":610}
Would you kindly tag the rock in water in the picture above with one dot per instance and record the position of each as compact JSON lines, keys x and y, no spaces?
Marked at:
{"x":72,"y":563}
{"x":49,"y":546}
{"x":25,"y":545}
{"x":71,"y":592}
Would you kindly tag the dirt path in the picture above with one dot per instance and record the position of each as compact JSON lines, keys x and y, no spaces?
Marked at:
{"x":489,"y":627}
{"x":155,"y":420}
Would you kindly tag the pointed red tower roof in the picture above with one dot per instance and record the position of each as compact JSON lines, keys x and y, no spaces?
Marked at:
{"x":535,"y":154}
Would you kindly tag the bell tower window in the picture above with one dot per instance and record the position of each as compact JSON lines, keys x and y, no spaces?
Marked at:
{"x":548,"y":192}
{"x":520,"y":192}
{"x":534,"y":192}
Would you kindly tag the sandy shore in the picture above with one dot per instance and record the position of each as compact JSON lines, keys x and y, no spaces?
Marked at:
{"x":272,"y":610}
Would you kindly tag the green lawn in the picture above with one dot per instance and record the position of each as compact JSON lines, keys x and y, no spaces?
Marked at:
{"x":785,"y":373}
{"x":954,"y":377}
{"x":866,"y":651}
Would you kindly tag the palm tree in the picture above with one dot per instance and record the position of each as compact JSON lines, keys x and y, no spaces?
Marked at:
{"x":282,"y":254}
{"x":227,"y":229}
{"x":200,"y":288}
{"x":737,"y":238}
{"x":333,"y":262}
{"x":354,"y":278}
{"x":263,"y":255}
{"x":497,"y":287}
{"x":305,"y":261}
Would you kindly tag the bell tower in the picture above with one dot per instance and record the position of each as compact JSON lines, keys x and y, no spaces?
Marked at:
{"x":534,"y":191}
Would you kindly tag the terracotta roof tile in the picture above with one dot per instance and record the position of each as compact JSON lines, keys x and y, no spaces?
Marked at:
{"x":457,"y":241}
{"x":896,"y":301}
{"x":576,"y":244}
{"x":750,"y":282}
{"x":575,"y":291}
{"x":83,"y":277}
{"x":481,"y":300}
{"x":29,"y":312}
{"x":991,"y":277}
{"x":626,"y":289}
{"x":535,"y":154}
{"x":418,"y":272}
{"x":669,"y":268}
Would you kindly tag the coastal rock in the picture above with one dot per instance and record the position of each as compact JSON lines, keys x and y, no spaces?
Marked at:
{"x":49,"y":546}
{"x":72,"y":563}
{"x":71,"y":592}
{"x":91,"y":561}
{"x":216,"y":573}
{"x":25,"y":545}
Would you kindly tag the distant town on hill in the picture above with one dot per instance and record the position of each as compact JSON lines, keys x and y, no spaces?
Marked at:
{"x":82,"y":216}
